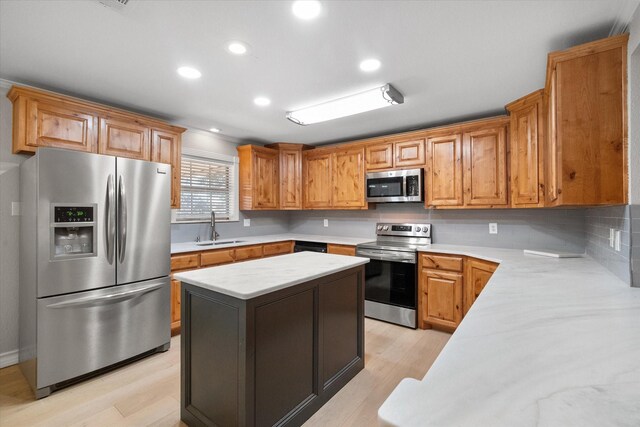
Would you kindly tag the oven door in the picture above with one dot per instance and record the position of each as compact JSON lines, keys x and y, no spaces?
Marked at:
{"x":391,"y":282}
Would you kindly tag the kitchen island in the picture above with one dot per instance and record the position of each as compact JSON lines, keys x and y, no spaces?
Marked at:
{"x":269,"y":341}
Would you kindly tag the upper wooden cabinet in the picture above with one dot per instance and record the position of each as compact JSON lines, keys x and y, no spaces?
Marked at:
{"x":46,"y":119}
{"x":586,"y":147}
{"x":259,"y":172}
{"x":124,"y":137}
{"x":527,"y":150}
{"x":316,"y":179}
{"x":290,"y":178}
{"x":348,"y":178}
{"x":400,"y":151}
{"x":466,"y":165}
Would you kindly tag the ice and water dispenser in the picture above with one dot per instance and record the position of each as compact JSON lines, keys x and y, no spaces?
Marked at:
{"x":73,"y":231}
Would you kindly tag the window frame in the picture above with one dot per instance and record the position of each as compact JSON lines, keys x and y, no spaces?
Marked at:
{"x":210,"y":155}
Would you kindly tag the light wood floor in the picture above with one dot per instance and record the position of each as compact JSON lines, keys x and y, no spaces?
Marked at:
{"x":147,"y":392}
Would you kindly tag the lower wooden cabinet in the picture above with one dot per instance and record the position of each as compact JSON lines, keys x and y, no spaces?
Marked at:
{"x":211,"y":258}
{"x":447,"y":287}
{"x":341,"y":249}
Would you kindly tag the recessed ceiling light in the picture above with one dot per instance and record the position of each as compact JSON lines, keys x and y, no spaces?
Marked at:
{"x":262,"y":101}
{"x":237,"y":48}
{"x":306,"y":9}
{"x":369,"y":65}
{"x":214,"y":130}
{"x":189,"y":73}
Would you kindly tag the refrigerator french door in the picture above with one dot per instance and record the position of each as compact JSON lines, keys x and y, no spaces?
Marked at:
{"x":95,"y":260}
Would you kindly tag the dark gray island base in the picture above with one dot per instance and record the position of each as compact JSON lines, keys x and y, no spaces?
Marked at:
{"x":273,"y":359}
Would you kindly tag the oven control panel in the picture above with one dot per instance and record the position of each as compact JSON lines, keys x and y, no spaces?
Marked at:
{"x":406,"y":230}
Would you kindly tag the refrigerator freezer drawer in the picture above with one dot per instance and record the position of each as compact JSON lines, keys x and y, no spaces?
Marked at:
{"x":86,"y":331}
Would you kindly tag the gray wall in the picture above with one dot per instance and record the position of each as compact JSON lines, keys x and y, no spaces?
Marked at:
{"x":560,"y":229}
{"x":598,"y":222}
{"x":9,"y":229}
{"x":634,"y":213}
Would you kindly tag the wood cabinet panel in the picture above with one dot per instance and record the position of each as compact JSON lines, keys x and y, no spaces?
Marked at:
{"x":124,"y":138}
{"x":485,"y":167}
{"x":244,"y":253}
{"x":290,"y":179}
{"x":379,"y":155}
{"x":442,"y":262}
{"x":217,"y":257}
{"x":341,"y":249}
{"x":175,"y":301}
{"x":166,"y":147}
{"x":444,"y":171}
{"x":279,"y":248}
{"x":184,"y":262}
{"x":348,"y":178}
{"x":477,"y":275}
{"x":526,"y":148}
{"x":409,"y":153}
{"x":60,"y":126}
{"x":551,"y":151}
{"x":259,"y":178}
{"x":317,"y":180}
{"x":442,"y":293}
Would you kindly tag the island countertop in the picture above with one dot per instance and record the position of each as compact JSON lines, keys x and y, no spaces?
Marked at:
{"x":261,"y":276}
{"x":549,"y":342}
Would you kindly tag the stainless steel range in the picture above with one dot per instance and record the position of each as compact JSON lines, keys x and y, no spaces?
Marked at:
{"x":391,"y":277}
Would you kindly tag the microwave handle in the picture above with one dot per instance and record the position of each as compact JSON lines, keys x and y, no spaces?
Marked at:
{"x":405,"y":190}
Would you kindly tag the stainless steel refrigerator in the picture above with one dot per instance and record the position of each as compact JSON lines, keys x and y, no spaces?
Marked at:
{"x":94,"y":264}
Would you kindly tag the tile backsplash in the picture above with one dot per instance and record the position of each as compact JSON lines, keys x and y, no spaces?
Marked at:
{"x":598,"y":222}
{"x":634,"y":214}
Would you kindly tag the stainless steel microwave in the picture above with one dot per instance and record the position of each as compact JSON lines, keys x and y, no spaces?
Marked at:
{"x":395,"y":186}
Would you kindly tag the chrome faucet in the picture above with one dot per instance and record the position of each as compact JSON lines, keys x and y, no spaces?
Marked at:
{"x":214,"y":233}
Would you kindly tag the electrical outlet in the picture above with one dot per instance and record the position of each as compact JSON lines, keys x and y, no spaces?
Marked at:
{"x":326,"y":222}
{"x":247,"y":222}
{"x":493,"y":228}
{"x":617,"y":241}
{"x":15,"y":208}
{"x":612,"y":237}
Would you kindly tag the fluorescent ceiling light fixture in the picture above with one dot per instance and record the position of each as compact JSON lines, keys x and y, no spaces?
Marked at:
{"x":214,"y":130}
{"x":262,"y":101}
{"x":369,"y":65}
{"x":189,"y":73}
{"x":237,"y":48}
{"x":372,"y":99}
{"x":306,"y":9}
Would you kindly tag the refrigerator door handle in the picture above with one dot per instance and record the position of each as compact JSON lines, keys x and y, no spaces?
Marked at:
{"x":110,"y":223}
{"x":122,"y":219}
{"x":105,"y":298}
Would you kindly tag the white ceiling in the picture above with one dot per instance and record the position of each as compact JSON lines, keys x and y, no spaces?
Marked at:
{"x":451,"y":60}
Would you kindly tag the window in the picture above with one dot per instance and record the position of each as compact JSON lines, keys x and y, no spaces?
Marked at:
{"x":208,"y":182}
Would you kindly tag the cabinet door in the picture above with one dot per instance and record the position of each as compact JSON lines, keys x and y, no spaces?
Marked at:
{"x":409,"y":153}
{"x":477,"y":275}
{"x":290,"y":179}
{"x":124,"y":138}
{"x":551,"y":152}
{"x":341,"y":249}
{"x":166,"y":148}
{"x":526,"y":164}
{"x":59,"y":126}
{"x":175,"y":301}
{"x":444,"y":171}
{"x":265,"y":179}
{"x":379,"y":156}
{"x":485,"y":167}
{"x":245,"y":253}
{"x":316,"y":173}
{"x":441,"y":298}
{"x":348,"y":178}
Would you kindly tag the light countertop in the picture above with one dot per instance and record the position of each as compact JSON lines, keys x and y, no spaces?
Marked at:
{"x":177,"y":248}
{"x":549,"y":342}
{"x":250,"y":279}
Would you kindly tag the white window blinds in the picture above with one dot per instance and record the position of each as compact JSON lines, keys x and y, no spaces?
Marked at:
{"x":206,"y":185}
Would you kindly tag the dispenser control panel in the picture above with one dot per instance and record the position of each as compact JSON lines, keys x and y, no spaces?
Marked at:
{"x":73,"y":214}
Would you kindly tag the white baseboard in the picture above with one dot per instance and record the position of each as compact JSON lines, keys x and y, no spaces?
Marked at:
{"x":9,"y":358}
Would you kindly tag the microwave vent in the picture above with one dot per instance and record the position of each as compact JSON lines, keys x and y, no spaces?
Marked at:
{"x":114,"y":4}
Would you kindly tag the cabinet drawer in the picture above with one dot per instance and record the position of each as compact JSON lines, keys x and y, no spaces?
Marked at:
{"x":442,"y":262}
{"x":223,"y":256}
{"x":248,"y":252}
{"x":277,"y":248}
{"x":341,"y":249}
{"x":182,"y":262}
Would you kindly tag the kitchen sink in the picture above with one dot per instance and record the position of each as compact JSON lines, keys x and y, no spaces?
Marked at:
{"x":226,"y":242}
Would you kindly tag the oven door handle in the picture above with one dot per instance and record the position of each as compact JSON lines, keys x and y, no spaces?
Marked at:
{"x":386,"y":256}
